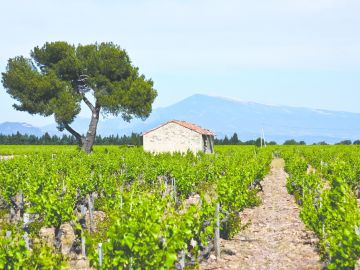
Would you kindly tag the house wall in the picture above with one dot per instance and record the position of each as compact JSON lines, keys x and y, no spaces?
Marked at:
{"x":173,"y":138}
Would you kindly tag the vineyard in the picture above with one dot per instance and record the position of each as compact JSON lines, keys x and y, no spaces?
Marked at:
{"x":122,"y":208}
{"x":326,"y":182}
{"x":153,"y":209}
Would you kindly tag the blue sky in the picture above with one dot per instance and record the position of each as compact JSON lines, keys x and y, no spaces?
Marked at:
{"x":298,"y":53}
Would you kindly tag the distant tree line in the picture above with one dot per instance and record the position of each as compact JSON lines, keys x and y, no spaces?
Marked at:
{"x":234,"y":140}
{"x":344,"y":142}
{"x":349,"y":142}
{"x":294,"y":142}
{"x":47,"y":139}
{"x":136,"y":139}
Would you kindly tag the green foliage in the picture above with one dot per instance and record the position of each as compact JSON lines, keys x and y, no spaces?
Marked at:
{"x":33,"y":141}
{"x":15,"y":255}
{"x":148,"y":221}
{"x":234,"y":140}
{"x":148,"y":239}
{"x":345,"y":142}
{"x":294,"y":142}
{"x":329,"y":205}
{"x":57,"y":77}
{"x":231,"y":227}
{"x":13,"y":252}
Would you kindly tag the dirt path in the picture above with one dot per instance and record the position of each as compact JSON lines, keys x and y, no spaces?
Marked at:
{"x":276,"y":238}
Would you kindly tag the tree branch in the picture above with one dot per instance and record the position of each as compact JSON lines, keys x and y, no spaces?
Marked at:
{"x":88,"y":103}
{"x":82,"y":88}
{"x":74,"y":133}
{"x":97,"y":106}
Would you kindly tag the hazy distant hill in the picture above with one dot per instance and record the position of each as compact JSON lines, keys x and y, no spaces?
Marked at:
{"x":8,"y":128}
{"x":225,"y":116}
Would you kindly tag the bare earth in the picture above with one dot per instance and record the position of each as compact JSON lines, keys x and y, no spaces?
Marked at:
{"x":6,"y":157}
{"x":276,"y":237}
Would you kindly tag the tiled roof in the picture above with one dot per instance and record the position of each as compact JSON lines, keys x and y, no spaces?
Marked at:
{"x":185,"y":124}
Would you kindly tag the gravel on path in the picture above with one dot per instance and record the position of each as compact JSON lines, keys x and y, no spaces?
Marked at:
{"x":275,"y":238}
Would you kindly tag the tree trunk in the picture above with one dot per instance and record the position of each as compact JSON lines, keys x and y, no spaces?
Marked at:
{"x":90,"y":135}
{"x":78,"y":137}
{"x":88,"y":141}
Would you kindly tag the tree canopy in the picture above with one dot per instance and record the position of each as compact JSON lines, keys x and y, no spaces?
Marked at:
{"x":59,"y":76}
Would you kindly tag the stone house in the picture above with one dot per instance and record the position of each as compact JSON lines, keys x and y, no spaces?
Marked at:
{"x":178,"y":136}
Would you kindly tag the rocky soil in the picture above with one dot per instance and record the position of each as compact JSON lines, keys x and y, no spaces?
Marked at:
{"x":275,"y":238}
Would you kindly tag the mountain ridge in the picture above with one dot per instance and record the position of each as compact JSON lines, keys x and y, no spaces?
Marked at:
{"x":8,"y":128}
{"x":225,"y":116}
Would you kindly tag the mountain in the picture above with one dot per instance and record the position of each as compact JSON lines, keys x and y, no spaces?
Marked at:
{"x":8,"y":128}
{"x":225,"y":116}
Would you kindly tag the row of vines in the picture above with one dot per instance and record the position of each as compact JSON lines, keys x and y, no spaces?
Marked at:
{"x":325,"y":182}
{"x":157,"y":211}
